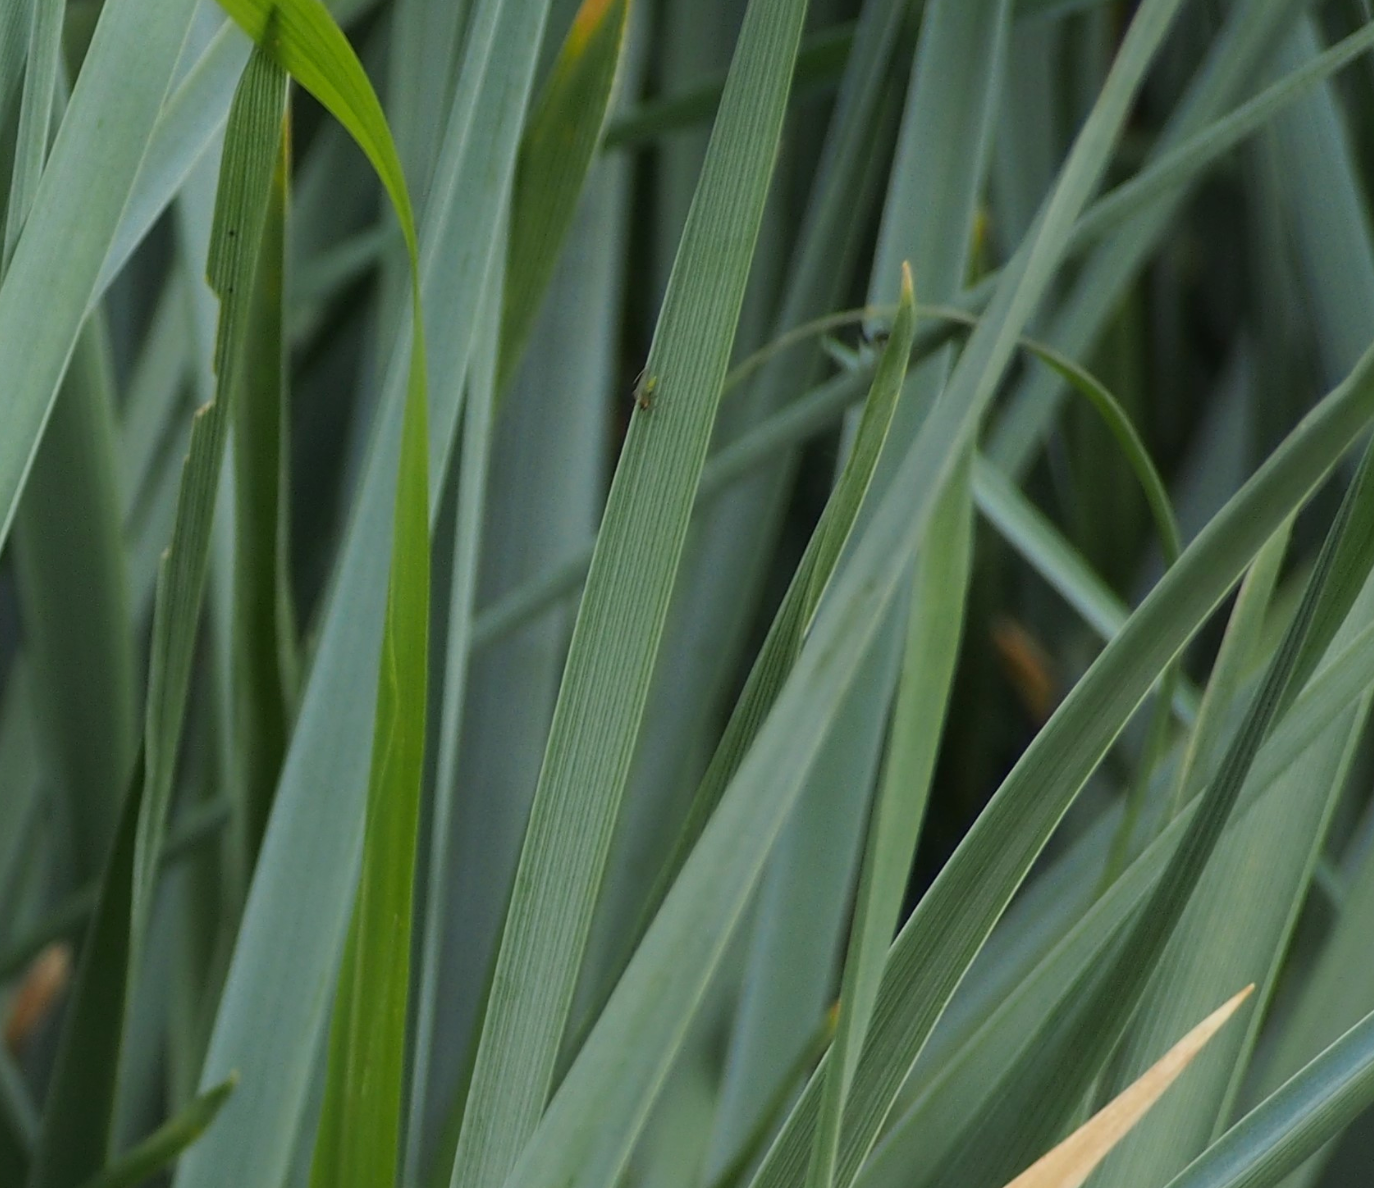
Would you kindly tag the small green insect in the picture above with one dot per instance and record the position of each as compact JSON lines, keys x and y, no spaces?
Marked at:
{"x":645,"y":385}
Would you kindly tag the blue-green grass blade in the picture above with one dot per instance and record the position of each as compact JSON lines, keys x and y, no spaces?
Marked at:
{"x":623,"y":610}
{"x":1309,"y":1109}
{"x":63,"y":244}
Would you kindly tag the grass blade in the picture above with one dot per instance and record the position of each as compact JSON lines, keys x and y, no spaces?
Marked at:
{"x":77,"y":1134}
{"x":974,"y":887}
{"x":163,"y":1146}
{"x":956,"y":1089}
{"x":35,"y":118}
{"x":265,"y":673}
{"x":73,"y":581}
{"x":297,"y":911}
{"x":623,"y":609}
{"x":468,"y":521}
{"x":103,"y":135}
{"x":1031,"y":1106}
{"x":1306,"y":1111}
{"x":556,"y":152}
{"x":934,"y":628}
{"x":1075,"y":1159}
{"x":87,"y":1110}
{"x":820,"y":61}
{"x":649,"y":1010}
{"x":251,"y":153}
{"x":358,"y":1142}
{"x":799,"y":605}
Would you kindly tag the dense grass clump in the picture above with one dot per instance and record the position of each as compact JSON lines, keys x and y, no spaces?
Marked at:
{"x":686,"y":594}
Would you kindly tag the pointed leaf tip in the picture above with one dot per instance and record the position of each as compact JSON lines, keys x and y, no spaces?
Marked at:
{"x":1070,"y":1163}
{"x":589,"y":19}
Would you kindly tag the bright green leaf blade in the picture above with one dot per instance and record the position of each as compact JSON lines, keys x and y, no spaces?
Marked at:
{"x":359,"y":1137}
{"x":556,"y":152}
{"x":305,"y":40}
{"x":297,"y":911}
{"x":358,"y":1140}
{"x":264,"y":625}
{"x":161,"y":1148}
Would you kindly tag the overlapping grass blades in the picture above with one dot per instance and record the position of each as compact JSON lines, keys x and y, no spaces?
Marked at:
{"x":358,"y":1141}
{"x":329,"y":744}
{"x":1031,"y":1107}
{"x":571,"y":1022}
{"x":104,"y":132}
{"x":160,"y":1149}
{"x":84,"y":1088}
{"x":974,"y":886}
{"x":1075,"y":1159}
{"x":1288,"y":1126}
{"x":799,"y":604}
{"x":623,"y":608}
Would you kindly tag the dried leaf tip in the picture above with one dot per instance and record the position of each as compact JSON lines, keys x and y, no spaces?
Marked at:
{"x":588,"y":19}
{"x":908,"y":289}
{"x":1071,"y":1163}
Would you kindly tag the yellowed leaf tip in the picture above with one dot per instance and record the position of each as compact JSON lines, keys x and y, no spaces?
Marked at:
{"x":908,"y":289}
{"x":587,"y":21}
{"x":1074,"y":1160}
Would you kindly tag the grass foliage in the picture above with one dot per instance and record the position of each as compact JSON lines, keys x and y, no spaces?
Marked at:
{"x":686,"y":593}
